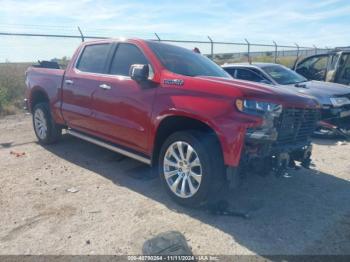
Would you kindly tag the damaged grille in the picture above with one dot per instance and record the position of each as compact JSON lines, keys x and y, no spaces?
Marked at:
{"x":296,"y":125}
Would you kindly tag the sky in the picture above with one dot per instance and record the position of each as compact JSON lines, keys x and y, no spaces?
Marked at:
{"x":306,"y":22}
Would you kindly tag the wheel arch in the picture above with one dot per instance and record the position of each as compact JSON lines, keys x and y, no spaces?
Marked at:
{"x":38,"y":95}
{"x":175,"y":123}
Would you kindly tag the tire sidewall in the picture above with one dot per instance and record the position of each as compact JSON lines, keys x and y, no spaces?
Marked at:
{"x":44,"y":108}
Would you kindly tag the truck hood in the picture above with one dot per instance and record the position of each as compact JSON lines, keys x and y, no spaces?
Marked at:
{"x":322,"y":91}
{"x":285,"y":96}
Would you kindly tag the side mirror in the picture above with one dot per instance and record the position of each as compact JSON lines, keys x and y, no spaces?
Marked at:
{"x":139,"y":72}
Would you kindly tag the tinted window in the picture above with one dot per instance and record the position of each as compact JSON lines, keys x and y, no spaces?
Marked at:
{"x":283,"y":75}
{"x":247,"y":74}
{"x":94,"y":58}
{"x":186,"y":62}
{"x":125,"y":56}
{"x":231,"y":71}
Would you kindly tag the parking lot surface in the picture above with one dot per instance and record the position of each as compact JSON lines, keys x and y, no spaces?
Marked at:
{"x":77,"y":198}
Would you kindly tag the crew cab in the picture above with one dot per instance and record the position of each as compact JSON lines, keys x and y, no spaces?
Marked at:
{"x":174,"y":110}
{"x":334,"y":98}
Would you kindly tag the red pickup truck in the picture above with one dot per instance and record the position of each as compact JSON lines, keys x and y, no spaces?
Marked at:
{"x":173,"y":109}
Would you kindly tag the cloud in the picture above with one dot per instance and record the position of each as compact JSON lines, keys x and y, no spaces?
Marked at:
{"x":306,"y":22}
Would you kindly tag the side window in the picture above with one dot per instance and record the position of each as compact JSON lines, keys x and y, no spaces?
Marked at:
{"x":93,"y":58}
{"x":343,"y":75}
{"x":231,"y":71}
{"x":332,"y":61}
{"x":247,"y":74}
{"x":314,"y":67}
{"x":125,"y":56}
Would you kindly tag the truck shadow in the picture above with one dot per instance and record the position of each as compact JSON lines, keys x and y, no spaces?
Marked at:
{"x":306,"y":214}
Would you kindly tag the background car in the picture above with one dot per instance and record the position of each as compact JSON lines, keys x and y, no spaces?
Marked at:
{"x":334,"y":98}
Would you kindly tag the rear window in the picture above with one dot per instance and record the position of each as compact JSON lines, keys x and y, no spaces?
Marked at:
{"x":93,"y":58}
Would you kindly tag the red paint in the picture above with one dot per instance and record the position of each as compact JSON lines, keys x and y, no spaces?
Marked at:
{"x":129,"y":114}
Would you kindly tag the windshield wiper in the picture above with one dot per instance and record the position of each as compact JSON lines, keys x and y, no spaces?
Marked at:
{"x":300,"y":84}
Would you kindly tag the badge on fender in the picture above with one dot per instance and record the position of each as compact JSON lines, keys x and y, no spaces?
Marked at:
{"x":176,"y":82}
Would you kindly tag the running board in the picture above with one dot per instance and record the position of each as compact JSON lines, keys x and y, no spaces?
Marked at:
{"x":109,"y":146}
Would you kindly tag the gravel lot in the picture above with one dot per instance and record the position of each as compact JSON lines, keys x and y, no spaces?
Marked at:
{"x":117,"y":207}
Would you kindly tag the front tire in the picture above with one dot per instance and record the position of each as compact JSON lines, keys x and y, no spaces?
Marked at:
{"x":191,"y":167}
{"x":46,"y":130}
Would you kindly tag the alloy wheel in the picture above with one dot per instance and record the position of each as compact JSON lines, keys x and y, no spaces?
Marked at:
{"x":182,"y":169}
{"x":40,"y":123}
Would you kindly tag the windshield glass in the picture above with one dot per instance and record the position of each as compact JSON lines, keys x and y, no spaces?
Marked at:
{"x":283,"y":75}
{"x":186,"y":62}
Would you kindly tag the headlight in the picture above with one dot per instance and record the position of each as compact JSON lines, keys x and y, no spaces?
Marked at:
{"x":254,"y":107}
{"x":339,"y":101}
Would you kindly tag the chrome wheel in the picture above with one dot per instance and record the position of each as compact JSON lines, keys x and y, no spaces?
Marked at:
{"x":40,"y":124}
{"x":182,"y":169}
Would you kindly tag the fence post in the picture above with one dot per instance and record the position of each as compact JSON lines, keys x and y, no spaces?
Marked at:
{"x":315,"y":47}
{"x":81,"y":34}
{"x":248,"y":44}
{"x":211,"y":48}
{"x":157,"y":37}
{"x":275,"y":51}
{"x":296,"y":60}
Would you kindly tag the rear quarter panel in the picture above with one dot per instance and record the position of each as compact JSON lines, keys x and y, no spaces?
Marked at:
{"x":48,"y":81}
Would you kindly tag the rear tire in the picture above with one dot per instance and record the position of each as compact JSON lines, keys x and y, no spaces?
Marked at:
{"x":195,"y":175}
{"x":46,"y":130}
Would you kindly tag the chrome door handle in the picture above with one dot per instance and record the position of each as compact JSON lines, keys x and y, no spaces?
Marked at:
{"x":104,"y":86}
{"x":69,"y":82}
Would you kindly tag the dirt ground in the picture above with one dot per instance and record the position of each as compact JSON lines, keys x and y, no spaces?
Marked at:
{"x":116,"y":207}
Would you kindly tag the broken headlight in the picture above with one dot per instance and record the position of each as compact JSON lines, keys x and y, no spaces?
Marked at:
{"x":339,"y":101}
{"x":268,"y":111}
{"x":259,"y":108}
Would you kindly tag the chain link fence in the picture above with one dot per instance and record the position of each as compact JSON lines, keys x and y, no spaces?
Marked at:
{"x":25,"y":46}
{"x":18,"y":50}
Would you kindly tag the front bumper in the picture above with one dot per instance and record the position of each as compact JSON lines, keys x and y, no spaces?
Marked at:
{"x":339,"y":117}
{"x":278,"y":146}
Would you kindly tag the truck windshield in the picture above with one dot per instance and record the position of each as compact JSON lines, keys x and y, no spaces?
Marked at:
{"x":283,"y":75}
{"x":186,"y":62}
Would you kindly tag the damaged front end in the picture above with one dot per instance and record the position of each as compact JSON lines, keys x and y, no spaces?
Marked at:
{"x":336,"y":115}
{"x":282,"y":140}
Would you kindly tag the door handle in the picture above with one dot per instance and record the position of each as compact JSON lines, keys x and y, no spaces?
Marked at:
{"x":69,"y":82}
{"x":104,"y":86}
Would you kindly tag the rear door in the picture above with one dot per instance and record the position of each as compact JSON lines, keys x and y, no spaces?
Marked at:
{"x":80,"y":83}
{"x":122,"y":106}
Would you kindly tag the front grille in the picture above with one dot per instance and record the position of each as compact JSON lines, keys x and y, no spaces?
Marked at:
{"x":296,"y":125}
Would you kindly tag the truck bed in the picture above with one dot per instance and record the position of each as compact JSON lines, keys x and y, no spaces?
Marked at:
{"x":48,"y":80}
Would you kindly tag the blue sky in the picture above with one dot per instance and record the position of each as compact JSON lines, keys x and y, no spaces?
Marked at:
{"x":306,"y":22}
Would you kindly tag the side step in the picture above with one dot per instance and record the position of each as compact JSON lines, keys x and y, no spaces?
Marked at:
{"x":109,"y":146}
